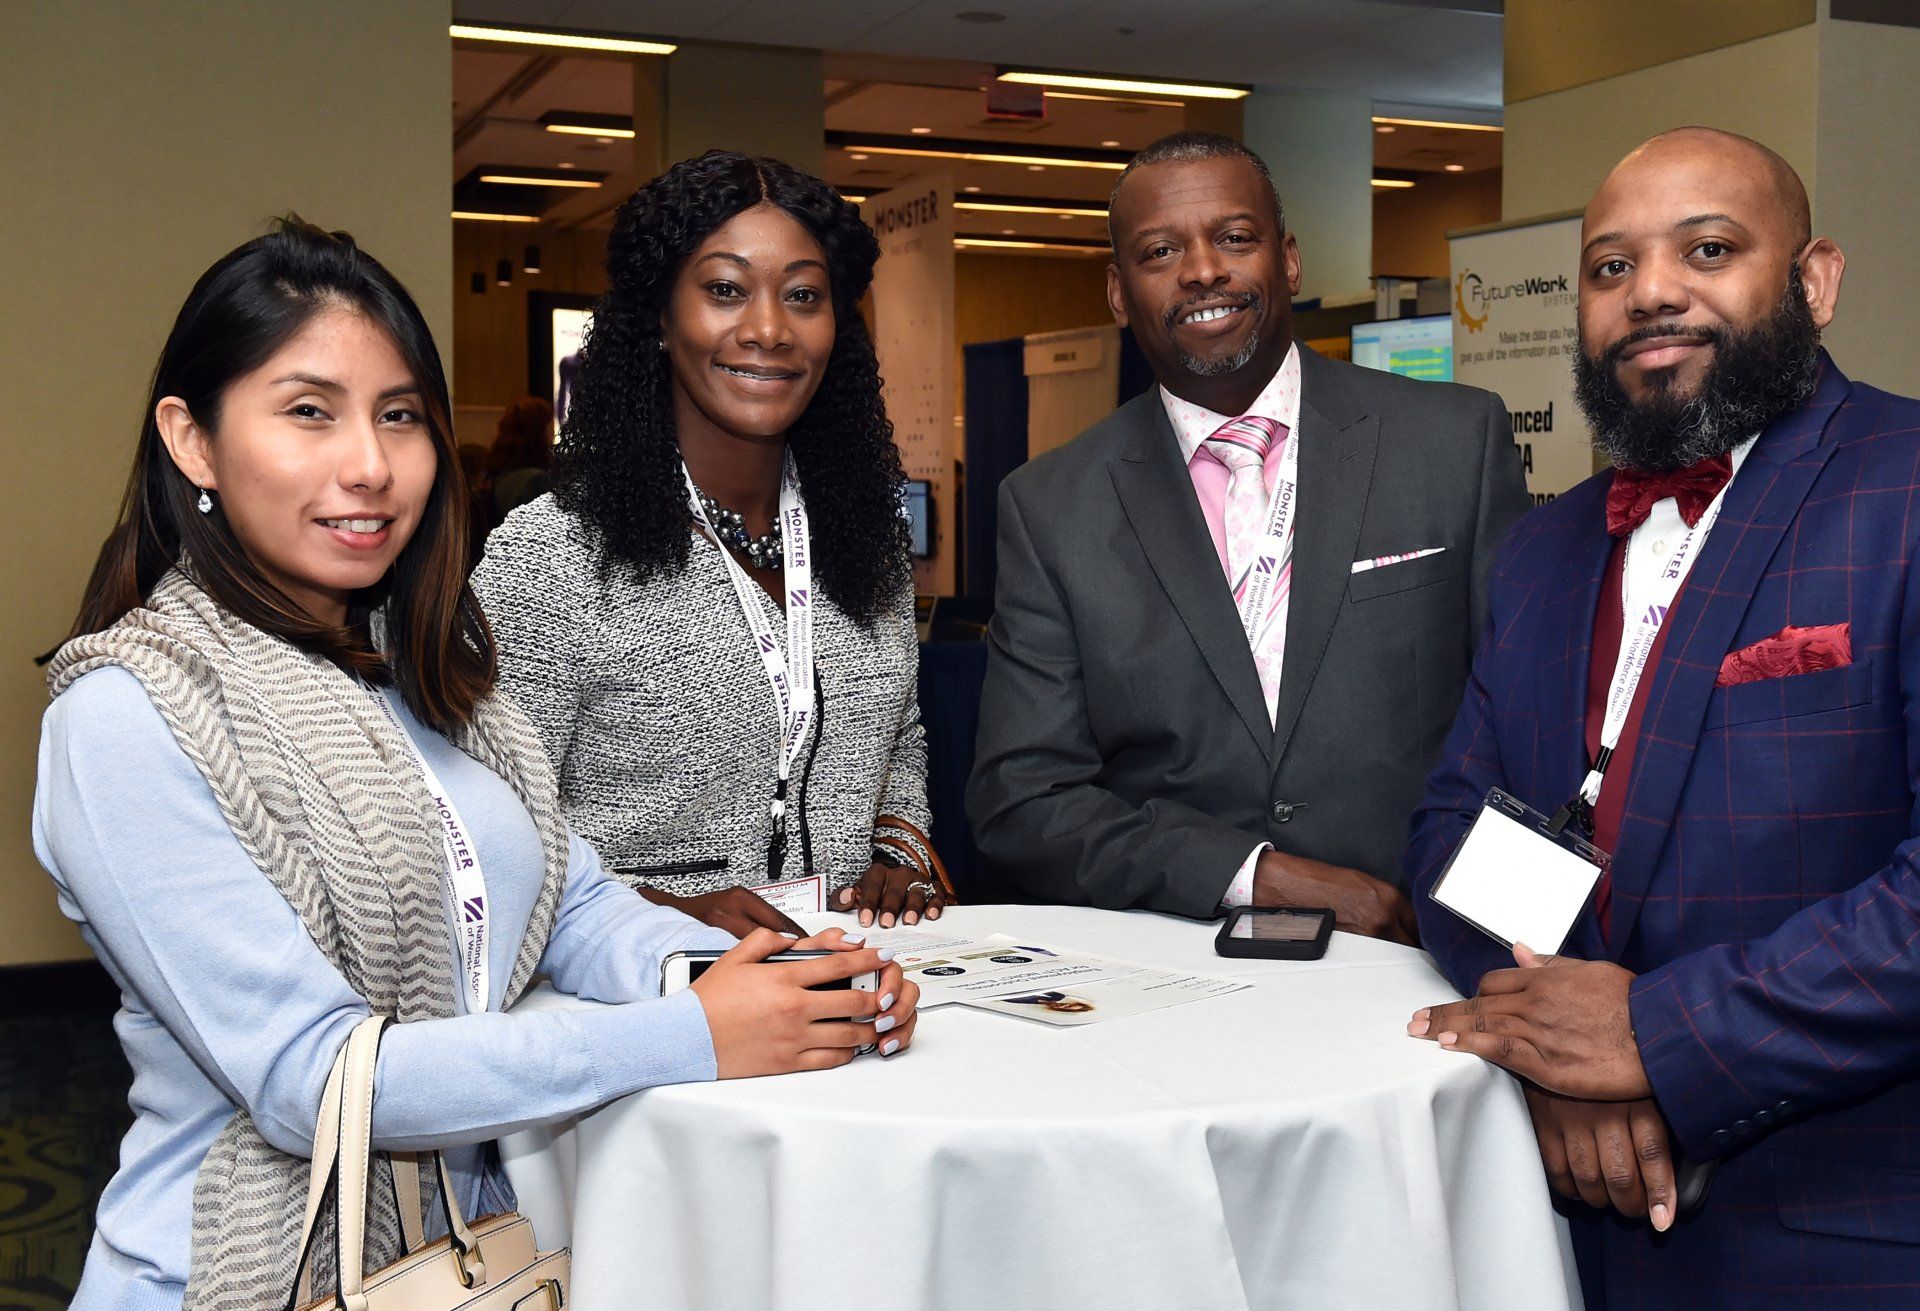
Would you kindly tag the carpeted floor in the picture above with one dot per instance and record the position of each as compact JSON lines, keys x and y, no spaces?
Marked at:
{"x":63,"y":1109}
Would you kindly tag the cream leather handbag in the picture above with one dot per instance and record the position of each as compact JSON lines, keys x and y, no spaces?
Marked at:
{"x":492,"y":1265}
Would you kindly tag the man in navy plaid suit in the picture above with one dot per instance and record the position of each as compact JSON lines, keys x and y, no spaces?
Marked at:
{"x":1744,"y":989}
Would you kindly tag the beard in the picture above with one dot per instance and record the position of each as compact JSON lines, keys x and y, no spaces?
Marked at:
{"x":1756,"y":376}
{"x":1215,"y":366}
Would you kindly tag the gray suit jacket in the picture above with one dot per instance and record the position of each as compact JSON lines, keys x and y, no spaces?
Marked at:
{"x":1125,"y":757}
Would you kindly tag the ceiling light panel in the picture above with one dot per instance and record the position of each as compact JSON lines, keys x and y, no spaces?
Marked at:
{"x":563,"y":40}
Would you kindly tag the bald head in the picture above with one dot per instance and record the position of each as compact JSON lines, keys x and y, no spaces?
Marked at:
{"x":1712,"y":150}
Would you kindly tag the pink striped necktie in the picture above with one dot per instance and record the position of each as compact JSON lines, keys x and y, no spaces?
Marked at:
{"x":1243,"y":446}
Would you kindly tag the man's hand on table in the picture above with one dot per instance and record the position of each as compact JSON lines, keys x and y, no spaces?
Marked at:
{"x":1360,"y":903}
{"x":1561,"y":1024}
{"x":1606,"y":1154}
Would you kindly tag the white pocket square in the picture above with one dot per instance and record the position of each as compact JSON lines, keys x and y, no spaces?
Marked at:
{"x":1382,"y":561}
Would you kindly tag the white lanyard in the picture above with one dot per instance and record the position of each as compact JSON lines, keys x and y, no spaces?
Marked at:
{"x":789,"y":675}
{"x":466,"y":883}
{"x":1276,"y":544}
{"x":1641,"y":629}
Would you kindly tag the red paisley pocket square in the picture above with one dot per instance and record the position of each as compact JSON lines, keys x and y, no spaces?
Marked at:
{"x":1789,"y":651}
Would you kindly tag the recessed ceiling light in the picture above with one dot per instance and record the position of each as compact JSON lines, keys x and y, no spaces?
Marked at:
{"x":858,"y":155}
{"x":1036,"y":168}
{"x":531,"y":178}
{"x":1034,"y":157}
{"x":980,"y":16}
{"x":1111,"y":145}
{"x":1435,"y":122}
{"x":485,"y":216}
{"x":1006,"y":232}
{"x":921,"y":131}
{"x":962,"y":188}
{"x":1392,"y":184}
{"x":565,"y":40}
{"x":579,"y":124}
{"x":1385,"y":128}
{"x":1083,"y":82}
{"x":1067,"y":217}
{"x":603,"y":141}
{"x":567,"y":163}
{"x":1456,"y":168}
{"x":1010,"y":205}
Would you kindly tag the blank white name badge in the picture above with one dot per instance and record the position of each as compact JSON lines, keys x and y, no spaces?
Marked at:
{"x":1515,"y":881}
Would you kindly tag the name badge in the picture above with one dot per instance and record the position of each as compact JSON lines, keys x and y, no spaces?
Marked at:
{"x":1516,"y":880}
{"x":806,"y":896}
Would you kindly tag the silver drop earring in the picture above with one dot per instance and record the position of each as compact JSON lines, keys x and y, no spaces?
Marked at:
{"x":205,"y":503}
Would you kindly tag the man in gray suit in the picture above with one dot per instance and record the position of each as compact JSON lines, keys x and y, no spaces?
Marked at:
{"x":1197,"y":698}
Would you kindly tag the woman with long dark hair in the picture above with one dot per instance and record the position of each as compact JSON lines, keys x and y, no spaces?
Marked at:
{"x":278,"y":793}
{"x":711,"y":619}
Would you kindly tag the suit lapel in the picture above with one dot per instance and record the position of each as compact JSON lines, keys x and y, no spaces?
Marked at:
{"x":1156,"y":494}
{"x":1761,"y":505}
{"x":1338,"y":441}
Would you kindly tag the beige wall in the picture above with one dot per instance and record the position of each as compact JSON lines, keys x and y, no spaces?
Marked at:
{"x":144,"y":143}
{"x":1560,"y":146}
{"x":1869,"y":183}
{"x":1410,"y":226}
{"x":1319,"y":146}
{"x":1555,"y":44}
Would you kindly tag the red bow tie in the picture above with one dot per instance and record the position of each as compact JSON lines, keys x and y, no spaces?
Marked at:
{"x":1634,"y":494}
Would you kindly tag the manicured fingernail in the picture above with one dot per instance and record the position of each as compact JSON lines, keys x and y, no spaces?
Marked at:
{"x":1662,"y":1217}
{"x":1449,"y":1039}
{"x":886,"y":953}
{"x":886,"y":1002}
{"x":884,"y":1023}
{"x":890,"y":1046}
{"x":1418,"y":1028}
{"x":866,"y":918}
{"x":1423,"y":1013}
{"x":913,"y":917}
{"x":853,"y":937}
{"x":886,"y":920}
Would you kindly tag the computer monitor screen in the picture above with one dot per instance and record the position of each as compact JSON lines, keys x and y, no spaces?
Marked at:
{"x":1414,"y":348}
{"x":919,"y":498}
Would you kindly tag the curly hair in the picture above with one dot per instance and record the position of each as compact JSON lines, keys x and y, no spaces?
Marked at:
{"x":618,"y":465}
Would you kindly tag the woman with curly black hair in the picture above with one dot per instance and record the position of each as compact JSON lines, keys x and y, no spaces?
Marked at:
{"x":711,"y":618}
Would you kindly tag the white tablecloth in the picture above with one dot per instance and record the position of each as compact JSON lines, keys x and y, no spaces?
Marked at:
{"x":1284,"y":1146}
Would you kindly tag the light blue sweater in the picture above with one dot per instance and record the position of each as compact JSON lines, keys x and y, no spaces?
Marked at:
{"x":226,"y":1002}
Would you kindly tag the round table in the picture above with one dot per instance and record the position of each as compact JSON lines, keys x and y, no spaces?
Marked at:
{"x":1283,"y":1146}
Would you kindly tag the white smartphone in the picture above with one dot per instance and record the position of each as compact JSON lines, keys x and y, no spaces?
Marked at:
{"x":681,"y":968}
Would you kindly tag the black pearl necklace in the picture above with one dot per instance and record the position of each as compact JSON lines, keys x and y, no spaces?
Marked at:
{"x":767,"y":551}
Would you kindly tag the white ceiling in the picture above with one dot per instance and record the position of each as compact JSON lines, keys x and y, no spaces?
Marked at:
{"x":1444,"y":53}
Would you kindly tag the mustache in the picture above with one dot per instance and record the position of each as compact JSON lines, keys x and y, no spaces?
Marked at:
{"x":1654,"y":331}
{"x":1212,"y":300}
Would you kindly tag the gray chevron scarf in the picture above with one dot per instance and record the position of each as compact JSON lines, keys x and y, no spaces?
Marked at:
{"x":326,"y":796}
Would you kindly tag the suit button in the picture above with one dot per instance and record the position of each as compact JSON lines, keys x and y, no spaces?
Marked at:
{"x":1282,"y":811}
{"x":1763,"y":1118}
{"x":1783,"y":1107}
{"x":1719,"y":1138}
{"x":1743,"y":1127}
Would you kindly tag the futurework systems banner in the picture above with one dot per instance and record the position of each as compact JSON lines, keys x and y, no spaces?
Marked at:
{"x":1514,"y":334}
{"x":913,"y":333}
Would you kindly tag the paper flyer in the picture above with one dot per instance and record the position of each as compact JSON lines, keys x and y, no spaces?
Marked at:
{"x":1034,"y":982}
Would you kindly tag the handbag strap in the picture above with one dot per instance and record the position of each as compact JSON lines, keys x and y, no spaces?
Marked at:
{"x":342,"y":1154}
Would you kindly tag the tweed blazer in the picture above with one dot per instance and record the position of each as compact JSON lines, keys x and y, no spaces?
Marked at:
{"x":655,"y":708}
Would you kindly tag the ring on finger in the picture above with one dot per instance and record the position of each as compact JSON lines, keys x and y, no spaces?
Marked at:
{"x":927,"y":890}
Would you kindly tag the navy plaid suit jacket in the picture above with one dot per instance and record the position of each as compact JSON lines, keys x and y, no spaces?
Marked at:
{"x":1767,"y":873}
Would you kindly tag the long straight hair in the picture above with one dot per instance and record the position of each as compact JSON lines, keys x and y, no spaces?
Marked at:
{"x":439,"y":653}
